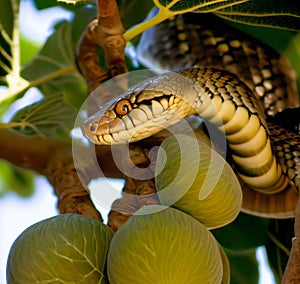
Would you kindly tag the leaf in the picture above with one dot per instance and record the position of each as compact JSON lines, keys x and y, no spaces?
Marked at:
{"x":236,"y":235}
{"x":279,"y":244}
{"x":132,"y":12}
{"x":243,"y":266}
{"x":10,"y":50}
{"x":44,"y":4}
{"x":17,"y":180}
{"x":51,"y":117}
{"x":53,"y":69}
{"x":170,"y":8}
{"x":71,"y":1}
{"x":184,"y":6}
{"x":275,"y":13}
{"x":31,"y":49}
{"x":6,"y":32}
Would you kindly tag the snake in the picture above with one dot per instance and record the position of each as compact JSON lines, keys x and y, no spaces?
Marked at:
{"x":229,"y":79}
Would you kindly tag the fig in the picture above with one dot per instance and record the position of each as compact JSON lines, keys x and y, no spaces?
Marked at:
{"x":193,"y":177}
{"x":160,"y":244}
{"x":226,"y":267}
{"x":67,"y":248}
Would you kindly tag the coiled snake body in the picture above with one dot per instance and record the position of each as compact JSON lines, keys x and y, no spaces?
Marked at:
{"x":266,"y":156}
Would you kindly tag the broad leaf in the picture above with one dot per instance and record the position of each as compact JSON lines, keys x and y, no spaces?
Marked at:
{"x":73,"y":1}
{"x":50,"y":117}
{"x":243,"y":266}
{"x":17,"y":180}
{"x":6,"y":34}
{"x":31,"y":49}
{"x":241,"y":228}
{"x":53,"y":63}
{"x":132,"y":12}
{"x":275,"y":13}
{"x":170,"y":8}
{"x":279,"y":244}
{"x":44,"y":4}
{"x":184,"y":6}
{"x":10,"y":52}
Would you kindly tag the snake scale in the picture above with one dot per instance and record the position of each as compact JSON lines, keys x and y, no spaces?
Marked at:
{"x":232,"y":81}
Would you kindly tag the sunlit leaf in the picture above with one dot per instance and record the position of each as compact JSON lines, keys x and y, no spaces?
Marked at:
{"x":44,"y":4}
{"x":53,"y":68}
{"x":6,"y":33}
{"x":17,"y":180}
{"x":170,"y":8}
{"x":51,"y":117}
{"x":30,"y":47}
{"x":10,"y":50}
{"x":71,"y":1}
{"x":273,"y":13}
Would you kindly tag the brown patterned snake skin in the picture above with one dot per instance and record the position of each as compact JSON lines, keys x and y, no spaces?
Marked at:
{"x":265,"y":155}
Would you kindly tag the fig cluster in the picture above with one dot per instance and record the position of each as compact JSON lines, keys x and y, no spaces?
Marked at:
{"x":168,"y":243}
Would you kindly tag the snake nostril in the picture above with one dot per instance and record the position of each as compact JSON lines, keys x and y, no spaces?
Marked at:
{"x":93,"y":127}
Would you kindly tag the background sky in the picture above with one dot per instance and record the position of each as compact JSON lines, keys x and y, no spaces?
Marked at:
{"x":16,"y":213}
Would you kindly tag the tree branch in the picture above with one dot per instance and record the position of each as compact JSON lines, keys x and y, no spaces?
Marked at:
{"x":105,"y":32}
{"x":72,"y":195}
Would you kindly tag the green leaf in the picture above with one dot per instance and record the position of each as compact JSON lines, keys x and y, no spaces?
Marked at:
{"x":184,"y":6}
{"x":44,"y":4}
{"x":236,"y":235}
{"x":243,"y":266}
{"x":73,"y":1}
{"x":279,"y":244}
{"x":132,"y":12}
{"x":51,"y":117}
{"x":10,"y":50}
{"x":275,"y":13}
{"x":54,"y":69}
{"x":17,"y":180}
{"x":30,"y":48}
{"x":6,"y":28}
{"x":81,"y":19}
{"x":170,"y":8}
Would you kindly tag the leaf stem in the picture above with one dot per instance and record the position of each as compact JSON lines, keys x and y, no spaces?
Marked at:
{"x":60,"y":72}
{"x":163,"y":15}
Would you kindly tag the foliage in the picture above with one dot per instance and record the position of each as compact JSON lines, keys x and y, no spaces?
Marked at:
{"x":53,"y":71}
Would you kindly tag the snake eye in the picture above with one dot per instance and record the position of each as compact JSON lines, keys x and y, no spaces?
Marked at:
{"x":123,"y":107}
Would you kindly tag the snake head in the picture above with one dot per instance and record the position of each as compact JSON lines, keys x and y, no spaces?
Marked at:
{"x":141,"y":112}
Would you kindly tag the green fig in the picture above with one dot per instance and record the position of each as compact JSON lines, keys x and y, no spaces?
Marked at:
{"x":67,"y":248}
{"x":163,"y":245}
{"x":194,"y":178}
